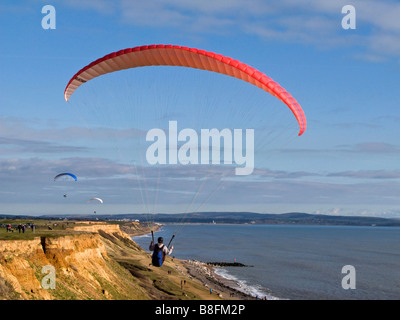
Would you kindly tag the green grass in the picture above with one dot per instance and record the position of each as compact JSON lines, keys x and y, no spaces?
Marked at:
{"x":29,"y":235}
{"x":59,"y":228}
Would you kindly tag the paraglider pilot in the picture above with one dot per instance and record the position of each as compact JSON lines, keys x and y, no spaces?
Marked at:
{"x":159,"y":252}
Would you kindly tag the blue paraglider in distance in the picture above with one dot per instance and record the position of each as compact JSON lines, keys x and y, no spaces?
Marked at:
{"x":66,"y":174}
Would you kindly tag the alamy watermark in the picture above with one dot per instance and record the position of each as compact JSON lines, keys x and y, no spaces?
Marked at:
{"x":349,"y":20}
{"x":49,"y":280}
{"x":49,"y":20}
{"x":205,"y":149}
{"x":349,"y":280}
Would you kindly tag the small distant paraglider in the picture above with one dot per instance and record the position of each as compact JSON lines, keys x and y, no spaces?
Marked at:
{"x":98,"y":199}
{"x":66,"y":174}
{"x":95,"y":199}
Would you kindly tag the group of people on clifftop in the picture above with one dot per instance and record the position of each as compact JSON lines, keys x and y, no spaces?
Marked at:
{"x":21,"y":227}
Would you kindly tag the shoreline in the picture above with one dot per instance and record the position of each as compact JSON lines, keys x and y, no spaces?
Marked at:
{"x":221,"y":286}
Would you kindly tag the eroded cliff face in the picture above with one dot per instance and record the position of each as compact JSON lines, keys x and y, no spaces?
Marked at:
{"x":15,"y":267}
{"x":83,"y":269}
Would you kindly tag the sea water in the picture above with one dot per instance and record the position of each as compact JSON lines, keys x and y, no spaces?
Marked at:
{"x":295,"y":262}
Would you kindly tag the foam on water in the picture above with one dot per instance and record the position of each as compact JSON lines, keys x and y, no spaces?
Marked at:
{"x":243,"y":286}
{"x":148,"y":235}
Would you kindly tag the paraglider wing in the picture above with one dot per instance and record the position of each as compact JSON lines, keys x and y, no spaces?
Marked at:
{"x":66,"y":174}
{"x":98,"y":199}
{"x":172,"y":55}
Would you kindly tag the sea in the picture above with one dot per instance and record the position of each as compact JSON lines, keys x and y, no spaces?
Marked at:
{"x":295,"y":262}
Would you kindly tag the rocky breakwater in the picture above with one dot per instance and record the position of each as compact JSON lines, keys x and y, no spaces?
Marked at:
{"x":227,"y":264}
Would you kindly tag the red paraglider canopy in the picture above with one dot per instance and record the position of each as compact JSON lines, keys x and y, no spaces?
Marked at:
{"x":172,"y":55}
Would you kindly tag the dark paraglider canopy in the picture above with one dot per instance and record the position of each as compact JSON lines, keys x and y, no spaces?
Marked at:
{"x":66,"y":174}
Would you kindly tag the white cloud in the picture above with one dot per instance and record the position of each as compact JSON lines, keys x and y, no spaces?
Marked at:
{"x":316,"y":22}
{"x":312,"y":22}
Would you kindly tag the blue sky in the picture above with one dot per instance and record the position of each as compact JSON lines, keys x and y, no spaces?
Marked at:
{"x":346,"y":81}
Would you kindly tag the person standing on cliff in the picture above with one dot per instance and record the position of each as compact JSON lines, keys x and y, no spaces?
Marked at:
{"x":159,"y":252}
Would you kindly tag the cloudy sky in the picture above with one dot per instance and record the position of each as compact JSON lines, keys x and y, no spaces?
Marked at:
{"x":346,"y":80}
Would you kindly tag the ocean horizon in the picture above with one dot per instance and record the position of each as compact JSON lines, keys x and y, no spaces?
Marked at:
{"x":297,"y":262}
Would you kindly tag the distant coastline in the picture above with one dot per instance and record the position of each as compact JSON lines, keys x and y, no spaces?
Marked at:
{"x":291,"y":218}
